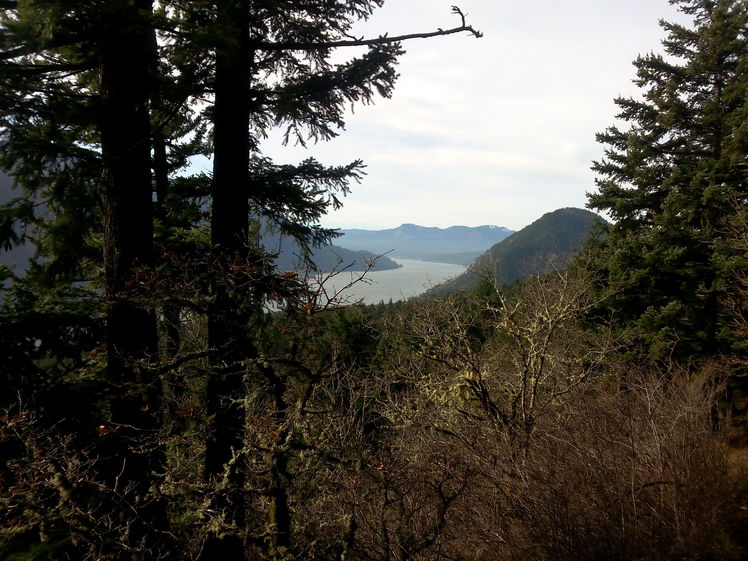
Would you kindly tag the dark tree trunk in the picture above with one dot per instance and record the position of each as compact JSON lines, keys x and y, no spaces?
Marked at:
{"x":128,"y":246}
{"x":128,"y":221}
{"x":228,"y":318}
{"x":170,"y":313}
{"x":279,"y":511}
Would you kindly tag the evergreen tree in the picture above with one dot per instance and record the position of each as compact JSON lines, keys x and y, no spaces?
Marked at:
{"x":672,"y":178}
{"x":273,"y":68}
{"x":76,"y":120}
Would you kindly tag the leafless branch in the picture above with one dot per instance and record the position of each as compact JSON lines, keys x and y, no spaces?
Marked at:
{"x":362,"y":42}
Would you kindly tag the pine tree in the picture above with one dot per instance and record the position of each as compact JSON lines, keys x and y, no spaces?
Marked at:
{"x":76,"y":134}
{"x":270,"y":66}
{"x":672,"y":178}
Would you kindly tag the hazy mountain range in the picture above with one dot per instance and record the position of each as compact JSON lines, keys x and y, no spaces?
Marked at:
{"x":460,"y":245}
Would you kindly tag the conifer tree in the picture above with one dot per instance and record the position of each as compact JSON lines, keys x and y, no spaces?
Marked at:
{"x":86,"y":117}
{"x":272,"y":68}
{"x":672,"y":178}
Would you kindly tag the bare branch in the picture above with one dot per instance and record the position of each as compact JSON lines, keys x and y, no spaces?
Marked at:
{"x":381,"y":40}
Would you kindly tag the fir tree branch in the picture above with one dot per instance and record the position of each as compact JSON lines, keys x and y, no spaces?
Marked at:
{"x":72,"y":68}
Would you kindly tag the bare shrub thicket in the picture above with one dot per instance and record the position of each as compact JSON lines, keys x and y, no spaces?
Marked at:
{"x":564,"y":454}
{"x":496,"y":427}
{"x":634,"y":472}
{"x":303,"y":460}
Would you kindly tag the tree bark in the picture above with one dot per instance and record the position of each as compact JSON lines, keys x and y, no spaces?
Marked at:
{"x":128,"y":220}
{"x":128,"y":247}
{"x":228,"y":317}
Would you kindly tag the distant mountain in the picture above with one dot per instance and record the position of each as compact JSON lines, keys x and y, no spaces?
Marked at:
{"x":330,"y":257}
{"x":456,"y":244}
{"x":325,"y":258}
{"x":548,"y":242}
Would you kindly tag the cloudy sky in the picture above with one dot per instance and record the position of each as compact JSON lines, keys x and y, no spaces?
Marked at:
{"x":497,"y":130}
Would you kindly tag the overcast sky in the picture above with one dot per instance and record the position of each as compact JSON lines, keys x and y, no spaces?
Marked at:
{"x":497,"y":130}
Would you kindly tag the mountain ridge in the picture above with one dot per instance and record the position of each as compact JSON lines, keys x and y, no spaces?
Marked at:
{"x":548,"y":242}
{"x":455,"y":244}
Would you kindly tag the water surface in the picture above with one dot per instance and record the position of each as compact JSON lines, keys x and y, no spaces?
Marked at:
{"x":412,"y":279}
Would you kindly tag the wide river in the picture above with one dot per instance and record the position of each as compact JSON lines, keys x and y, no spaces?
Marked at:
{"x":412,"y":279}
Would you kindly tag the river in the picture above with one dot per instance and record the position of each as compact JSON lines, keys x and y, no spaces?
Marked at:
{"x":412,"y":279}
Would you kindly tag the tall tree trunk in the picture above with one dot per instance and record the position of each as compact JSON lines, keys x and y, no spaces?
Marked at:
{"x":128,"y":222}
{"x":128,"y":246}
{"x":228,"y":318}
{"x":170,"y":313}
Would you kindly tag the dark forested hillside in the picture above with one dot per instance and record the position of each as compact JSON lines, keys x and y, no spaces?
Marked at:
{"x":17,"y":256}
{"x":548,"y":243}
{"x":331,"y":257}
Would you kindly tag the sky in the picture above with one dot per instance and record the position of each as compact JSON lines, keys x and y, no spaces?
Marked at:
{"x":497,"y":130}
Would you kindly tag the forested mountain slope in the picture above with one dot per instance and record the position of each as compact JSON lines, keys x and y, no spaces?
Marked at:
{"x":546,"y":243}
{"x":326,"y":258}
{"x":15,"y":257}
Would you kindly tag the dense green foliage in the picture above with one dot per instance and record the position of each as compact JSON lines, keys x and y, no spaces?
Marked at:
{"x":673,"y":179}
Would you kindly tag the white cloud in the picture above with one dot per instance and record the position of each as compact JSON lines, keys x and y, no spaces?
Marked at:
{"x":491,"y":131}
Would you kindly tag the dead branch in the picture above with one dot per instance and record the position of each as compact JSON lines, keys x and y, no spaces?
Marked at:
{"x":362,"y":42}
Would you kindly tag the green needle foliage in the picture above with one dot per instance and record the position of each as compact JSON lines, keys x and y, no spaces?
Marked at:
{"x":673,"y":177}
